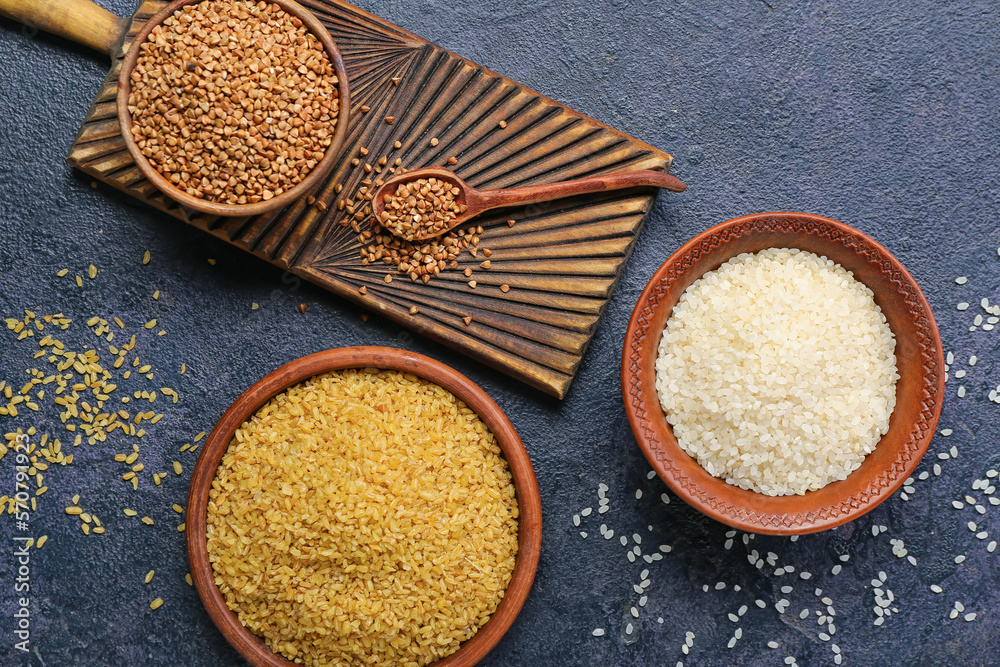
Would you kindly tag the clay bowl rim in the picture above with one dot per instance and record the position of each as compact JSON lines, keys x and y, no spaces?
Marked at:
{"x":319,"y":172}
{"x":921,"y":370}
{"x":249,"y":645}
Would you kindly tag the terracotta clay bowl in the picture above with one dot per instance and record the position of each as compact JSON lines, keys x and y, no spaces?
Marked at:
{"x":919,"y":360}
{"x":252,"y":647}
{"x":301,"y":190}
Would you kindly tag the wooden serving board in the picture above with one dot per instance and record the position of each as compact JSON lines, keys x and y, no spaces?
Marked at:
{"x":560,"y":260}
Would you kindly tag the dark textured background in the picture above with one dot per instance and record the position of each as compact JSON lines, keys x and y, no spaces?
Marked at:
{"x":880,"y":114}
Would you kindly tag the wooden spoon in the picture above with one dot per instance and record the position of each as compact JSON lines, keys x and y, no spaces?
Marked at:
{"x":480,"y":201}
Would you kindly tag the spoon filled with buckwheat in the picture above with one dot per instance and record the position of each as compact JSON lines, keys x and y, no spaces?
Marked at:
{"x":425,"y":203}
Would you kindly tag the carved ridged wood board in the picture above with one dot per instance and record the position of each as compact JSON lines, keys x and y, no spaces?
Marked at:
{"x":561,"y":260}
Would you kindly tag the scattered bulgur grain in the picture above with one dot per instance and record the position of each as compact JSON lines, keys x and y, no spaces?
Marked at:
{"x":41,"y":541}
{"x":92,"y":271}
{"x":178,"y":469}
{"x":148,"y":521}
{"x":149,"y":576}
{"x":145,"y":257}
{"x":156,"y":604}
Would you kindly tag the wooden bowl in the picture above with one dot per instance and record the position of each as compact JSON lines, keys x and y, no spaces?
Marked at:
{"x":311,"y":180}
{"x":252,"y":647}
{"x":919,"y":360}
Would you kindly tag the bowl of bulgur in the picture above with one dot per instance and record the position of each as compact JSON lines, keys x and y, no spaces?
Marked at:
{"x":783,"y":373}
{"x":233,"y":107}
{"x":363,"y":506}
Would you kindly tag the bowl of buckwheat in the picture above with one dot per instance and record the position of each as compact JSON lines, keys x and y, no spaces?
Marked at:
{"x":232,"y":107}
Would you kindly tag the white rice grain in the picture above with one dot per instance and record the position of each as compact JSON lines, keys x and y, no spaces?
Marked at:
{"x":777,"y":372}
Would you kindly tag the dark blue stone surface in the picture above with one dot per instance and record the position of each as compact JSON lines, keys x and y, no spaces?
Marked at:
{"x":879,"y":114}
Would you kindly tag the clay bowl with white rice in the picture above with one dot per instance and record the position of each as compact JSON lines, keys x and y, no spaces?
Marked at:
{"x":783,"y":373}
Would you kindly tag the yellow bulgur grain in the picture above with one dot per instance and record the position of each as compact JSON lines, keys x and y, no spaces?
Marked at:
{"x":363,"y":518}
{"x":149,"y":576}
{"x":156,"y":604}
{"x":41,"y":541}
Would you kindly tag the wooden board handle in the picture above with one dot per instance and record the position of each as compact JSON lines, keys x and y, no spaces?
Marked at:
{"x":79,"y":20}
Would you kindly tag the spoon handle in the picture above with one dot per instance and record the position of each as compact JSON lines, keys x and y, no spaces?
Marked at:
{"x":533,"y":194}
